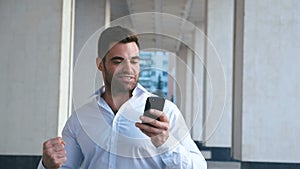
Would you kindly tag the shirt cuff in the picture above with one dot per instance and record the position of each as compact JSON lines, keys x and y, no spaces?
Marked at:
{"x":175,"y":156}
{"x":170,"y":144}
{"x":41,"y":166}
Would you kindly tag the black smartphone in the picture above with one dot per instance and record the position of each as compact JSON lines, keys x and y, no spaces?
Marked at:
{"x":154,"y":103}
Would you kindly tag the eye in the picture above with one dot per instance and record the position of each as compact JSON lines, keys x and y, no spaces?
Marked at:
{"x":117,"y":61}
{"x":135,"y":60}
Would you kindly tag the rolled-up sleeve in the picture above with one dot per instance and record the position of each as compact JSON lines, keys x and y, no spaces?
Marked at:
{"x":74,"y":154}
{"x":180,"y":151}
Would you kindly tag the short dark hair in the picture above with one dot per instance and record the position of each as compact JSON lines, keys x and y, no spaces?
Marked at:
{"x":115,"y":34}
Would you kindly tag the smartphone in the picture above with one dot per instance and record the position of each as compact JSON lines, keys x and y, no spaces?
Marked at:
{"x":154,"y":103}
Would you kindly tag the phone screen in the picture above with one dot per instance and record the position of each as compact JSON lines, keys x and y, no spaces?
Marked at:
{"x":154,"y":103}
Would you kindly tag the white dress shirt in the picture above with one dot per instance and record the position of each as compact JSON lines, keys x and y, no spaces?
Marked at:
{"x":96,"y":138}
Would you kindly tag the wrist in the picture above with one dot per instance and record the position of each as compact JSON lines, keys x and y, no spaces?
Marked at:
{"x":43,"y":164}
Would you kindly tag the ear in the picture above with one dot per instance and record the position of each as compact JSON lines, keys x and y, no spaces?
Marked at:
{"x":99,"y":64}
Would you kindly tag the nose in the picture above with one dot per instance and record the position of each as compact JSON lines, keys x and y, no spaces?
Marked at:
{"x":126,"y":66}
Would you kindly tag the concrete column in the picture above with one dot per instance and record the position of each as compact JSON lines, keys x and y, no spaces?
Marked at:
{"x":66,"y":64}
{"x":180,"y":78}
{"x":189,"y":79}
{"x":219,"y":44}
{"x":198,"y":70}
{"x":184,"y":80}
{"x":30,"y":64}
{"x":34,"y":64}
{"x":266,"y":80}
{"x":89,"y":22}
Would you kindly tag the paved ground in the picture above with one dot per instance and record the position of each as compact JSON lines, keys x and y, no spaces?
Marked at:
{"x":223,"y":165}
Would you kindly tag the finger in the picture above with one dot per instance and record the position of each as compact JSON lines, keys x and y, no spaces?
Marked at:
{"x":140,"y":126}
{"x":146,"y":119}
{"x":148,"y":133}
{"x":58,"y":157}
{"x":149,"y":129}
{"x":53,"y":141}
{"x":58,"y":140}
{"x":155,"y":123}
{"x":58,"y":147}
{"x":61,"y":154}
{"x":164,"y":118}
{"x":63,"y":142}
{"x":58,"y":162}
{"x":156,"y":112}
{"x":161,"y":115}
{"x":53,"y":150}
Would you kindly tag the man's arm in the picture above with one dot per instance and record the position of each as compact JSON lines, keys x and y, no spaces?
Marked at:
{"x":185,"y":154}
{"x":173,"y":139}
{"x":180,"y":151}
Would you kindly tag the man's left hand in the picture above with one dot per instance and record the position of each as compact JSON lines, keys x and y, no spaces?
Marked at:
{"x":157,"y":130}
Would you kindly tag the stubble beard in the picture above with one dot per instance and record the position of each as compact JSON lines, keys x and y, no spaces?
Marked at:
{"x":117,"y":87}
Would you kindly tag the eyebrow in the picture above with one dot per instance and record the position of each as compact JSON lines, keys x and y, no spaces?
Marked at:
{"x":121,"y":58}
{"x":135,"y":57}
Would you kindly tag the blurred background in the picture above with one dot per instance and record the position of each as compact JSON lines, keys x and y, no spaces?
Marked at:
{"x":231,"y":66}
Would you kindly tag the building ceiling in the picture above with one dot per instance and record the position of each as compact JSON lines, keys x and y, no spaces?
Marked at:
{"x":168,"y":22}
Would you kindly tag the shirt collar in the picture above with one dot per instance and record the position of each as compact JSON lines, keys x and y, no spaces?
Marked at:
{"x":137,"y":90}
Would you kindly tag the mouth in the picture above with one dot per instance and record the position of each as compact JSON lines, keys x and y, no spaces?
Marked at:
{"x":126,"y":77}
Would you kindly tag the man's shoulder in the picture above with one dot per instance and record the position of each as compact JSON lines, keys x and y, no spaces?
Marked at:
{"x":80,"y":114}
{"x":171,"y":107}
{"x":85,"y":109}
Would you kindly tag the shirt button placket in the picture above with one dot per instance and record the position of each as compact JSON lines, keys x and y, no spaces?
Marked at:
{"x":112,"y":156}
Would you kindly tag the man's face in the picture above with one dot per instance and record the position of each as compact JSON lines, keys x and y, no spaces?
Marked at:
{"x":120,"y":68}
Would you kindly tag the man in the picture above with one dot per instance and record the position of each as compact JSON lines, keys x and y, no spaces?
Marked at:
{"x":111,"y":131}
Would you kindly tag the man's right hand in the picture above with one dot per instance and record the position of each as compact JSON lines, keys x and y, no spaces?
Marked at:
{"x":54,"y":153}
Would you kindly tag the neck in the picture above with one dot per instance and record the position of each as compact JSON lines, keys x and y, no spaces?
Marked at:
{"x":116,"y":100}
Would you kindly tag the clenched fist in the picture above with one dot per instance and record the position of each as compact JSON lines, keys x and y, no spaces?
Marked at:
{"x":54,"y":153}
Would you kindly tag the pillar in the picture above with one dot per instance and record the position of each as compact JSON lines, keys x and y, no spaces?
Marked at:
{"x":266,"y":84}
